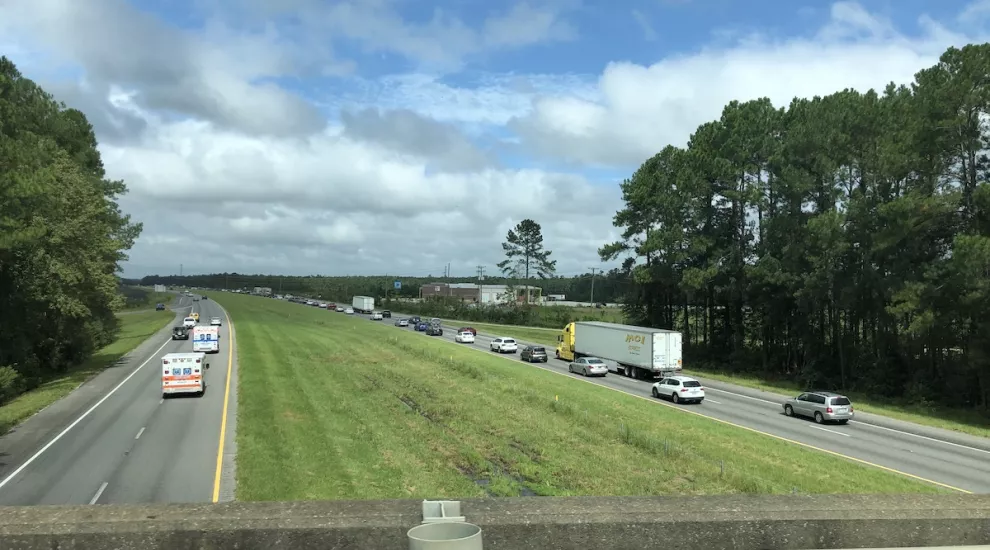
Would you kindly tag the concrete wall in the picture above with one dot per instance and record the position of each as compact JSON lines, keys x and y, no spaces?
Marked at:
{"x":589,"y":523}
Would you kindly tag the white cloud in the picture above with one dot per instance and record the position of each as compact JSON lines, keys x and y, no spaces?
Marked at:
{"x":643,"y":108}
{"x":230,"y":172}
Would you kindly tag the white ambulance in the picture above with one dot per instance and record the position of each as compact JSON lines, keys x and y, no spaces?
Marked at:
{"x":184,"y":373}
{"x":206,"y":339}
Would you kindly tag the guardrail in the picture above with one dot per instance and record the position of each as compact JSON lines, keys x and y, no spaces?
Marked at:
{"x":527,"y":523}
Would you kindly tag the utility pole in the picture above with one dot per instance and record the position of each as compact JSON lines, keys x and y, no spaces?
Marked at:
{"x":180,"y":270}
{"x":481,"y":284}
{"x":593,"y":270}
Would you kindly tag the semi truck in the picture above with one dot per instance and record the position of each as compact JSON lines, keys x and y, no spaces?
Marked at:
{"x":638,"y":352}
{"x":363,"y":304}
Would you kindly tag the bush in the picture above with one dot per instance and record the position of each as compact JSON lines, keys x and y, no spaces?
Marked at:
{"x":11,"y":384}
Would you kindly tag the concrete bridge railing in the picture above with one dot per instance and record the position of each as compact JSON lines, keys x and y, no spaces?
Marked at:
{"x":529,"y":523}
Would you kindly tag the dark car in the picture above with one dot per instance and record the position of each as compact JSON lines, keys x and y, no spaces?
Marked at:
{"x":422,"y":326}
{"x":434,"y":330}
{"x":204,"y":297}
{"x":534,"y":354}
{"x":414,"y":321}
{"x":386,"y":314}
{"x":159,"y":307}
{"x":180,"y":333}
{"x":468,"y":329}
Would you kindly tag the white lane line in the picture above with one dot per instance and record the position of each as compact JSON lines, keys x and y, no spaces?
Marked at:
{"x":89,"y":411}
{"x":98,"y":493}
{"x":829,"y":431}
{"x":710,"y":400}
{"x":141,"y":431}
{"x":944,"y":442}
{"x":161,"y":401}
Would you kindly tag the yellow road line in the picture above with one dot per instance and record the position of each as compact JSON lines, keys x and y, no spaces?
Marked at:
{"x":726,"y":422}
{"x":223,"y":416}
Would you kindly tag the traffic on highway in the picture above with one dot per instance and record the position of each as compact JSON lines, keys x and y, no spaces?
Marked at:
{"x":140,"y":440}
{"x":955,"y":462}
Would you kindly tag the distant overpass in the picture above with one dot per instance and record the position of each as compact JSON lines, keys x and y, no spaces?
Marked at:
{"x":526,"y":523}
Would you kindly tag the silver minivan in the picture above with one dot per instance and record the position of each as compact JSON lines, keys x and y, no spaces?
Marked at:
{"x":823,"y":406}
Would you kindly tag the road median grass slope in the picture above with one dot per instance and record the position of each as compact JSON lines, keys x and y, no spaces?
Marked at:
{"x":337,"y":407}
{"x":135,"y":328}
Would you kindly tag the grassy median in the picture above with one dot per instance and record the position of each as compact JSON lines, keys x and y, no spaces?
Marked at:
{"x":135,"y":328}
{"x":337,"y":407}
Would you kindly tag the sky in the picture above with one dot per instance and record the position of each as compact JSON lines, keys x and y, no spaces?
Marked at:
{"x":396,"y":137}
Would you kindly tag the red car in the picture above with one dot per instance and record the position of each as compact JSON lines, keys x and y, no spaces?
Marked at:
{"x":468,"y":329}
{"x":332,"y":307}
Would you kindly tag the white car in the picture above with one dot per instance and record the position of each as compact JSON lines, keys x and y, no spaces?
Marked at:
{"x":679,"y":389}
{"x":215,"y":321}
{"x":504,"y":344}
{"x":464,"y":338}
{"x":349,"y":311}
{"x":376,"y":316}
{"x":189,"y":322}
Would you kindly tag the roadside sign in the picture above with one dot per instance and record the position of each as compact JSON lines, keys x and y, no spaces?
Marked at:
{"x":397,"y":285}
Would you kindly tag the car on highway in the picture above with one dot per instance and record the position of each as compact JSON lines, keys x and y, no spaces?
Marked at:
{"x":434,"y":330}
{"x":180,"y":332}
{"x":195,"y":298}
{"x":421,"y":326}
{"x":534,"y":354}
{"x":322,"y":305}
{"x":588,"y":366}
{"x":376,"y":316}
{"x":468,"y":329}
{"x":464,"y":337}
{"x":823,"y":406}
{"x":402,"y":322}
{"x":195,"y":315}
{"x":215,"y":321}
{"x":331,"y":307}
{"x":349,"y":311}
{"x":679,"y":389}
{"x":159,"y":307}
{"x":204,"y":297}
{"x":504,"y":344}
{"x":387,"y":314}
{"x":414,"y":320}
{"x":341,"y":309}
{"x":436,"y":321}
{"x":189,"y":322}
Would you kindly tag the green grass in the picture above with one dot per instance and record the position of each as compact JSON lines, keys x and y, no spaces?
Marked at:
{"x":959,"y":420}
{"x":137,"y":298}
{"x":333,"y":407}
{"x":135,"y":329}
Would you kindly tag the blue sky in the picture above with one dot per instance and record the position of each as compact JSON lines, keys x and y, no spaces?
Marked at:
{"x":308,"y":136}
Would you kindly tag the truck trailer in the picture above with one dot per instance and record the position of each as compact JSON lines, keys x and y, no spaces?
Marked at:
{"x":363,"y":304}
{"x":638,"y":352}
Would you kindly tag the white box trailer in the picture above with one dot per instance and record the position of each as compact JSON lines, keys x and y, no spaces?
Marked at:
{"x":363,"y":304}
{"x":637,"y":352}
{"x":206,"y":339}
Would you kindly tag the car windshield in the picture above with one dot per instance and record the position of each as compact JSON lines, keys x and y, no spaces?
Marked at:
{"x":842,"y":401}
{"x":692,"y":384}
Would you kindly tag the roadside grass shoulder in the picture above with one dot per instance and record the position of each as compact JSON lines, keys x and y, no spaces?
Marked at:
{"x":137,"y":298}
{"x":959,"y":420}
{"x":336,"y":407}
{"x":134,"y":329}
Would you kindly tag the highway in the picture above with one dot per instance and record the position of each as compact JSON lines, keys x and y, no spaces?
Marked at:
{"x":944,"y":462}
{"x":115,"y":440}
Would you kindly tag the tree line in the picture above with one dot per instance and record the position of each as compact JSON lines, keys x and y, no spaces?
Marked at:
{"x":842,"y":241}
{"x":62,"y":237}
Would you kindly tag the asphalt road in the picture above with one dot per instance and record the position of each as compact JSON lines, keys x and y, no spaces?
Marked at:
{"x":133,"y":447}
{"x":941,"y":461}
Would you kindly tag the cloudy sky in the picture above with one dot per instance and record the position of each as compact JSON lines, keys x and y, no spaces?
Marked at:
{"x":397,"y":136}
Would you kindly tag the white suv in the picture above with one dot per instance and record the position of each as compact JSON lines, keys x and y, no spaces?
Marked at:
{"x":504,"y":344}
{"x":376,"y":316}
{"x":189,"y":322}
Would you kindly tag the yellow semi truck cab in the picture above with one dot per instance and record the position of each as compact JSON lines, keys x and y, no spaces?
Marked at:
{"x":565,"y":343}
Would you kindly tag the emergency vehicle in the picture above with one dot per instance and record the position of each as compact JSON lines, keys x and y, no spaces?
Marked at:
{"x":206,"y":339}
{"x":184,"y":373}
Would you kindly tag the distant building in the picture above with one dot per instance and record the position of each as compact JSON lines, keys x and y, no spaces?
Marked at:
{"x":484,"y":294}
{"x":160,"y":288}
{"x":262,"y":291}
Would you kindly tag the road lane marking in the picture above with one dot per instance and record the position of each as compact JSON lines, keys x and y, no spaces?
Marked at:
{"x":936,"y":440}
{"x":223,"y":415}
{"x":141,"y":431}
{"x":710,"y":400}
{"x":740,"y":426}
{"x":75,"y":423}
{"x":829,"y":431}
{"x":99,"y":492}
